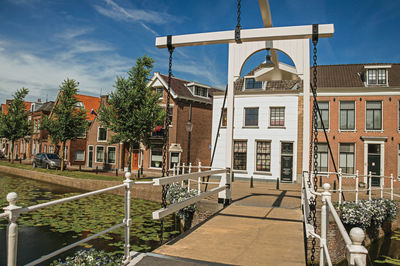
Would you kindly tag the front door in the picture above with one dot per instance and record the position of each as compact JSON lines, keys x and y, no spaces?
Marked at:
{"x":90,"y":159}
{"x":374,"y":163}
{"x":286,"y":162}
{"x":135,"y":159}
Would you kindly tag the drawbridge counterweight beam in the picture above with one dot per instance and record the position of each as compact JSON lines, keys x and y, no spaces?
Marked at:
{"x":248,"y":35}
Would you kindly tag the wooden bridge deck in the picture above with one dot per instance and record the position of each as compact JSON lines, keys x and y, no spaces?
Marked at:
{"x":263,"y":226}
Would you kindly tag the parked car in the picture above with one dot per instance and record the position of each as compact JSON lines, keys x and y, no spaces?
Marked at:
{"x":47,"y":160}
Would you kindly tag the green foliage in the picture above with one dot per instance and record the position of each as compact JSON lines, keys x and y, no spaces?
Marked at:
{"x":15,"y":125}
{"x":67,"y":120}
{"x":132,"y":111}
{"x":90,"y":257}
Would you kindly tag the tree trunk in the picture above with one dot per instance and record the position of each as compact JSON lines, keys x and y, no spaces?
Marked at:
{"x":130,"y":157}
{"x":12,"y":151}
{"x":62,"y":155}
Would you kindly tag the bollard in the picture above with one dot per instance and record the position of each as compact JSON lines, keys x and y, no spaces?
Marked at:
{"x":356,"y":251}
{"x":277,"y":183}
{"x":127,"y":220}
{"x":138,"y":173}
{"x":97,"y":170}
{"x":20,"y":160}
{"x":80,"y":168}
{"x":116,"y":171}
{"x":251,"y":182}
{"x":320,"y":181}
{"x":334,"y":186}
{"x":12,"y":229}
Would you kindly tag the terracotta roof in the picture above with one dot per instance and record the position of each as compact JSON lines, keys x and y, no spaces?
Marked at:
{"x":343,"y":76}
{"x":179,"y":87}
{"x":89,"y":102}
{"x":4,"y":107}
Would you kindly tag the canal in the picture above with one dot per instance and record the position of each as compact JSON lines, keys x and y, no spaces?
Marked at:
{"x":46,"y":230}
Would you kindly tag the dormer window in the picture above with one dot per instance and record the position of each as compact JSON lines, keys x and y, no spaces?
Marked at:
{"x":377,"y":75}
{"x":200,"y":91}
{"x":79,"y":105}
{"x":251,"y":83}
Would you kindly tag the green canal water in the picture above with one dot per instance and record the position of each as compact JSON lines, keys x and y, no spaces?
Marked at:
{"x":46,"y":230}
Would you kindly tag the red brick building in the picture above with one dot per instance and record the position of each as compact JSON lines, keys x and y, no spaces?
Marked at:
{"x":189,"y":101}
{"x":360,"y":105}
{"x":75,"y":149}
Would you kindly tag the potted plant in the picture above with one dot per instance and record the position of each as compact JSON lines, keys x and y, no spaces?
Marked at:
{"x":361,"y":185}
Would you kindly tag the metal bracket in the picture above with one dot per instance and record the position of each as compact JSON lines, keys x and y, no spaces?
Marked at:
{"x":315,"y":33}
{"x":169,"y":43}
{"x":237,"y":34}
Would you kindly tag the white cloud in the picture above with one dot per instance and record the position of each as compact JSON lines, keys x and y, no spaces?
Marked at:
{"x":119,"y":13}
{"x":74,"y":32}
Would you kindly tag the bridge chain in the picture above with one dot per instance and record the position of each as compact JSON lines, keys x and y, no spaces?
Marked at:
{"x":314,"y":145}
{"x":167,"y":123}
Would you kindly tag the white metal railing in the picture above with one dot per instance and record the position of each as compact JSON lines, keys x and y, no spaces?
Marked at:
{"x":369,"y":188}
{"x":191,"y":176}
{"x":356,"y":252}
{"x":12,"y":212}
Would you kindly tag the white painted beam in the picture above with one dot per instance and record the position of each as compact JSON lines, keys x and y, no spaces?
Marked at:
{"x":158,"y":214}
{"x":248,"y":35}
{"x":265,"y":13}
{"x":178,"y":178}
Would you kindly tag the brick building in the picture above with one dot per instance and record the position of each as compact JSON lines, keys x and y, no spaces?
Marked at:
{"x":360,"y":106}
{"x":189,"y":101}
{"x":75,"y":149}
{"x":101,"y":153}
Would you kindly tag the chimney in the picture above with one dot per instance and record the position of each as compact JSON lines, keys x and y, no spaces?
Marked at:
{"x":8,"y":102}
{"x":39,"y":100}
{"x":103,"y":99}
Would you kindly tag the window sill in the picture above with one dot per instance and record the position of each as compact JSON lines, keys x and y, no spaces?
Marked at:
{"x":102,"y":141}
{"x":322,"y":130}
{"x":277,"y":127}
{"x":374,"y":130}
{"x":262,"y":173}
{"x":347,"y":130}
{"x":250,"y":127}
{"x":155,"y":168}
{"x":240,"y":171}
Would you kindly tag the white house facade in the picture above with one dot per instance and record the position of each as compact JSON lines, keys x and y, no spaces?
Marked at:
{"x":265,"y":130}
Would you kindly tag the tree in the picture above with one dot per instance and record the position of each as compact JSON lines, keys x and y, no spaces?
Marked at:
{"x":132,"y":111}
{"x":68,"y":120}
{"x":15,"y":124}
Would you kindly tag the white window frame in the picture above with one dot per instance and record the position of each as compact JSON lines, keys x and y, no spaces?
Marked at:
{"x":255,"y":156}
{"x":252,"y":77}
{"x":365,"y":118}
{"x":98,"y":134}
{"x":244,"y":116}
{"x":327,"y":127}
{"x":270,"y":116}
{"x":194,"y":91}
{"x":151,"y":154}
{"x":83,"y":156}
{"x":354,"y":154}
{"x":115,"y":159}
{"x":179,"y":157}
{"x":95,"y":153}
{"x":377,"y":76}
{"x":355,"y":116}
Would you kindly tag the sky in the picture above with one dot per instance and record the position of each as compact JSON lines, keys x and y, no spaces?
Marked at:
{"x":43,"y":42}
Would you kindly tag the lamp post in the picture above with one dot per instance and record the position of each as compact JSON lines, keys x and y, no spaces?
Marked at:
{"x":189,"y":127}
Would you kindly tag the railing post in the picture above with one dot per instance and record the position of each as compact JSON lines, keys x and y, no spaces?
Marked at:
{"x":188,"y":185}
{"x":190,"y":168}
{"x":127,"y":220}
{"x":199,"y":167}
{"x":326,"y":195}
{"x":175,"y":173}
{"x":356,"y":250}
{"x":357,"y":173}
{"x":382,"y":185}
{"x":340,"y":185}
{"x":369,"y":186}
{"x":391,"y":186}
{"x":12,"y":229}
{"x":183,"y":168}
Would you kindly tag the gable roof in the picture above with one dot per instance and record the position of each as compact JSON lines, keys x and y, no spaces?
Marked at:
{"x":344,"y":76}
{"x":46,"y":107}
{"x":180,"y":90}
{"x":89,"y":103}
{"x":4,"y":107}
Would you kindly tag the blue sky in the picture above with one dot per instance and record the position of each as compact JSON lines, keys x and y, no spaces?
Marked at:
{"x":42,"y":42}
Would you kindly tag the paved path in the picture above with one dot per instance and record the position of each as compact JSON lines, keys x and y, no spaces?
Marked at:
{"x":261,"y":227}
